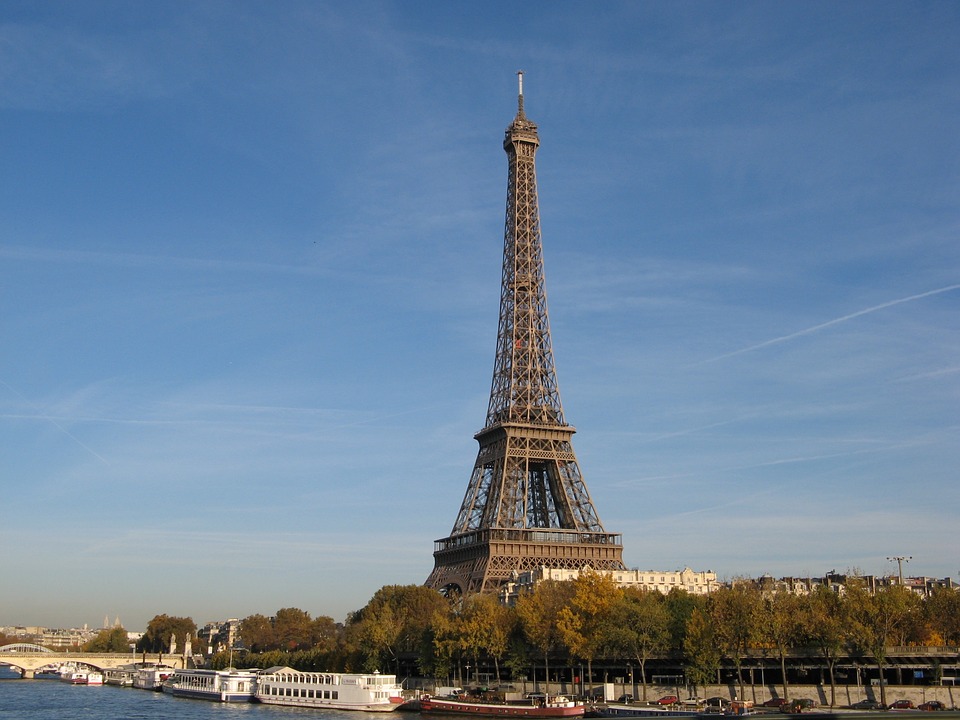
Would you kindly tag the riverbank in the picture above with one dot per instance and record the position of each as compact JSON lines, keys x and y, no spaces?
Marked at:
{"x":845,"y":694}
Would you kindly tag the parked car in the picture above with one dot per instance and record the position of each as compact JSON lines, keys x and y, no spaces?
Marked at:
{"x":692,"y":703}
{"x":775,"y":703}
{"x":667,"y":700}
{"x":626,"y":699}
{"x":902,"y":705}
{"x":799,"y":705}
{"x":932,"y":705}
{"x":868,"y":705}
{"x":717,"y":704}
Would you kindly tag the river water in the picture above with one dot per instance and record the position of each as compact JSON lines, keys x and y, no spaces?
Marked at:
{"x":54,"y":700}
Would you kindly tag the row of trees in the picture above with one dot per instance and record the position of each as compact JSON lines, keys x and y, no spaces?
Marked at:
{"x":156,"y":639}
{"x":290,"y":629}
{"x":591,"y":619}
{"x":588,"y":620}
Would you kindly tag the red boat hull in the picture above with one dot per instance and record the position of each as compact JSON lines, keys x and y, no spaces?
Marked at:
{"x":463,"y":707}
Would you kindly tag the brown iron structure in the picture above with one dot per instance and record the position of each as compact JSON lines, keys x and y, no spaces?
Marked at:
{"x":527,"y":505}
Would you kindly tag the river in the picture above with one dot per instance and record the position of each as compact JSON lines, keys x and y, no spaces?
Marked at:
{"x":53,"y":700}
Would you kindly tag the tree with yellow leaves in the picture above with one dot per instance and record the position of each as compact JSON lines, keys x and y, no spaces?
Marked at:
{"x":585,"y":624}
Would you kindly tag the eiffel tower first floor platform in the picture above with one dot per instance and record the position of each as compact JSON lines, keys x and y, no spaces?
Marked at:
{"x":483,"y":560}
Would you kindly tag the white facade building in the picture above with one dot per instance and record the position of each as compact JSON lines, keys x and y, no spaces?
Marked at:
{"x":695,"y":583}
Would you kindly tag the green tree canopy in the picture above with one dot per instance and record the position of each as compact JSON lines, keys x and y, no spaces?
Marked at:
{"x":292,"y":628}
{"x":162,"y":628}
{"x":735,"y":613}
{"x":113,"y":640}
{"x":781,"y":625}
{"x":824,"y":623}
{"x":324,"y":633}
{"x":680,"y":605}
{"x":539,"y":615}
{"x":701,"y":649}
{"x":257,"y":633}
{"x":640,"y":627}
{"x":397,"y":619}
{"x":879,"y":620}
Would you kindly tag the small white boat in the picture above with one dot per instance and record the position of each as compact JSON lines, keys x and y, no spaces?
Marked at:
{"x":119,"y":676}
{"x":370,"y":692}
{"x":74,"y":676}
{"x":151,"y":677}
{"x":218,"y":685}
{"x":95,"y":677}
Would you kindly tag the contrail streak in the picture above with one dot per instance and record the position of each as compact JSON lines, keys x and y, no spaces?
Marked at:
{"x":57,"y":425}
{"x":821,"y":326}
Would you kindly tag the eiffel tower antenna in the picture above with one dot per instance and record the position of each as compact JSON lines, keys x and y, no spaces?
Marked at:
{"x":527,"y":505}
{"x":520,"y":93}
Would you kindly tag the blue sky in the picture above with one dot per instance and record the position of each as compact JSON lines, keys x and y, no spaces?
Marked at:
{"x":249,"y":280}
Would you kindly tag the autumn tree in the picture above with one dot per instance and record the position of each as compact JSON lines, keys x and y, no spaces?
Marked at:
{"x":585,"y":622}
{"x":292,"y":629}
{"x":941,"y":614}
{"x":257,"y":633}
{"x":379,"y":633}
{"x":701,"y":649}
{"x":735,"y":613}
{"x":539,"y":614}
{"x":824,"y":620}
{"x":485,"y":626}
{"x":782,"y":626}
{"x":879,"y":620}
{"x":641,"y":627}
{"x":113,"y":640}
{"x":447,"y":641}
{"x":397,"y":619}
{"x":680,"y":605}
{"x":162,"y":628}
{"x":520,"y":655}
{"x":324,"y":633}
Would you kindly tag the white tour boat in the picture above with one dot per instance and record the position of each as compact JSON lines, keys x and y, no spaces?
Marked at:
{"x":218,"y":685}
{"x":371,"y":692}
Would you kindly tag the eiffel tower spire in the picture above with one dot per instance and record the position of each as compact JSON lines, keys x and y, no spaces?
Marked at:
{"x":526,"y":505}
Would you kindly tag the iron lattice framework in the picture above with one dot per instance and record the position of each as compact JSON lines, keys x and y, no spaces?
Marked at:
{"x":527,"y":504}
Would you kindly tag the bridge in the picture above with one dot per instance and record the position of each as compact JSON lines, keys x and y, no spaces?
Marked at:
{"x":28,"y":658}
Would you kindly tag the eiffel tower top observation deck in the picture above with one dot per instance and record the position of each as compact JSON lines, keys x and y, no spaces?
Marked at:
{"x":527,"y":505}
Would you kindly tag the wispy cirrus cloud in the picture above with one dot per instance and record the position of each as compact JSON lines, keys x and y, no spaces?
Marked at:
{"x":829,"y":323}
{"x":38,"y":414}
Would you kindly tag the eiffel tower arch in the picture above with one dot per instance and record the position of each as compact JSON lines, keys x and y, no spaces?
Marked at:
{"x":527,"y":504}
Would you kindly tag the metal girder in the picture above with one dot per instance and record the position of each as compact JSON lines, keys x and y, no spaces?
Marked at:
{"x":526,"y":475}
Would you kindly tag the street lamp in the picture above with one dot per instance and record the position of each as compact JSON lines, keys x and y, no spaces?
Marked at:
{"x":900,"y":560}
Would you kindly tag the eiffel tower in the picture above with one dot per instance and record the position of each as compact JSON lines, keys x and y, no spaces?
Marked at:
{"x":527,"y":505}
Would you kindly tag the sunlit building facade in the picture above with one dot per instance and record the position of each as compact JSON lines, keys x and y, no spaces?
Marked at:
{"x":663,"y":581}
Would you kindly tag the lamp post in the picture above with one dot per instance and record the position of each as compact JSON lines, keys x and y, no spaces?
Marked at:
{"x":900,"y":560}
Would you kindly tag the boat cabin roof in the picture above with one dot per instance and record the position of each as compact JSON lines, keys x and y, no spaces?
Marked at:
{"x":278,"y":669}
